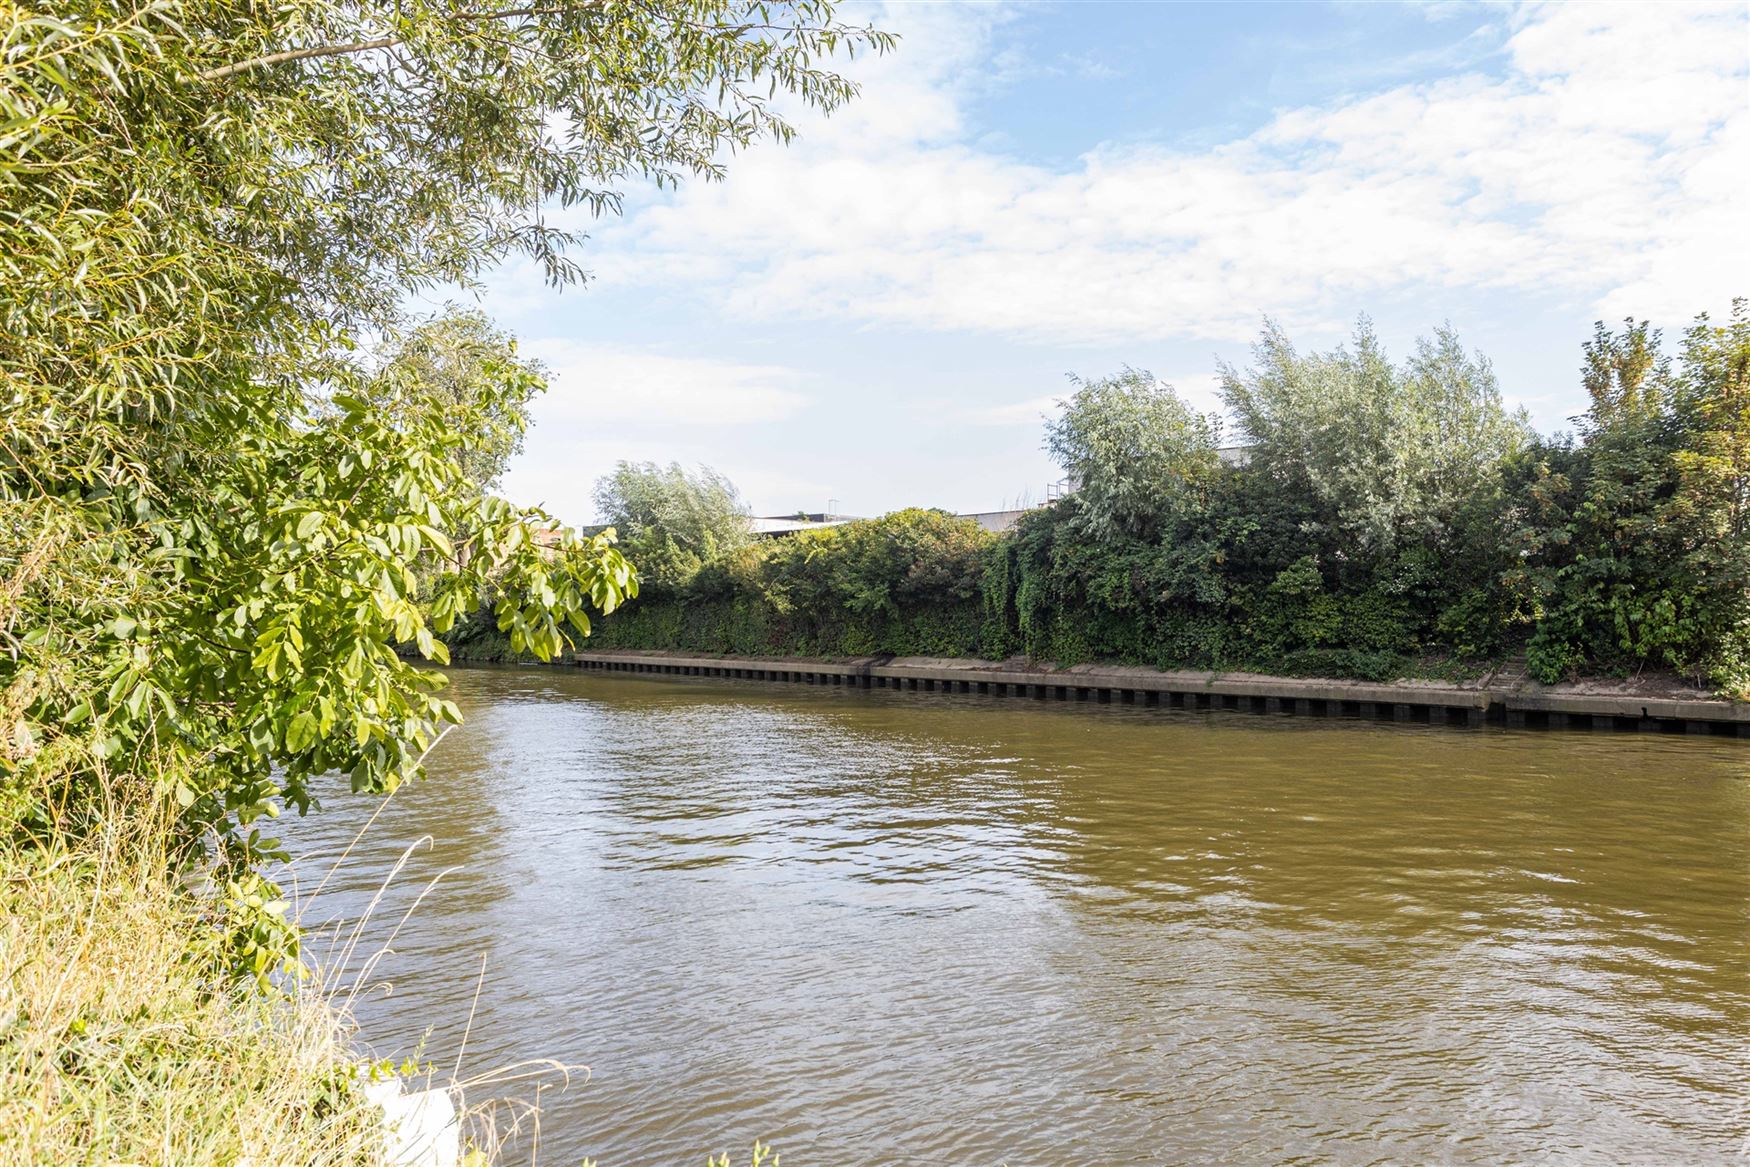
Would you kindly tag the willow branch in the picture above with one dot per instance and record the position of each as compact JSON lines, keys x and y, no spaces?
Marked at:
{"x":382,"y":42}
{"x":224,"y":71}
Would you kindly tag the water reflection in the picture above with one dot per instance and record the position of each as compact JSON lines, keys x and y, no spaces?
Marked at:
{"x":863,"y":925}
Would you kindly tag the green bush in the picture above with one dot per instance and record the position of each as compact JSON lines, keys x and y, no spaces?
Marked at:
{"x":1408,"y":547}
{"x":910,"y":583}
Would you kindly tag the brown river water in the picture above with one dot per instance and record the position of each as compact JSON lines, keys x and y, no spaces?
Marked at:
{"x":874,"y":927}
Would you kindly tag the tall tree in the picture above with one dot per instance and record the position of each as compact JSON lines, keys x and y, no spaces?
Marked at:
{"x":673,"y":521}
{"x":460,"y":364}
{"x":1712,"y":500}
{"x":1133,"y":449}
{"x":211,"y":509}
{"x":1713,"y":409}
{"x":1652,"y":567}
{"x":1387,"y":454}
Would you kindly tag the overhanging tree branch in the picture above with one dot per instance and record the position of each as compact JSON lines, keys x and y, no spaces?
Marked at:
{"x":383,"y":42}
{"x":224,"y":71}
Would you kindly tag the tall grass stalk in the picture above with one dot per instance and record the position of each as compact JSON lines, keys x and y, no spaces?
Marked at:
{"x":121,"y":1046}
{"x":118,"y":1047}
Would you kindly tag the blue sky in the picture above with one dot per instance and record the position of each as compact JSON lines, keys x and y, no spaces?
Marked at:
{"x":883,"y":312}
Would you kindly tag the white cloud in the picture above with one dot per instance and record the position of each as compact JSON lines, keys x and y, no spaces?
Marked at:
{"x":1606,"y":167}
{"x":599,"y":383}
{"x":608,"y":403}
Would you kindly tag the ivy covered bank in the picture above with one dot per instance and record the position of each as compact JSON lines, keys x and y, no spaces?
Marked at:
{"x":1388,"y":519}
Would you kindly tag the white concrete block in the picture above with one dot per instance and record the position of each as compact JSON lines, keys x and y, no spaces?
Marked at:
{"x":422,"y":1126}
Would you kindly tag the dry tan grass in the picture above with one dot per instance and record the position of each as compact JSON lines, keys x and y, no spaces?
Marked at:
{"x":119,"y":1050}
{"x":115,"y":1049}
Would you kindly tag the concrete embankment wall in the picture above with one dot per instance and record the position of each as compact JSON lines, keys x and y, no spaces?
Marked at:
{"x":1481,"y":703}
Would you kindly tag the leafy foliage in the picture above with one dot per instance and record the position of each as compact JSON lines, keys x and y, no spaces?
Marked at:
{"x":904,"y":583}
{"x":229,"y":633}
{"x":1388,"y":454}
{"x":672,"y":522}
{"x":1649,"y":562}
{"x":221,"y":524}
{"x":1391,"y":519}
{"x":1133,"y":449}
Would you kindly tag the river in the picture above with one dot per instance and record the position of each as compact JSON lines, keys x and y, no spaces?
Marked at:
{"x":874,"y":927}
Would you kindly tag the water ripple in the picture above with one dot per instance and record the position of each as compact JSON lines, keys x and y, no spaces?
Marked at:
{"x":869,"y":926}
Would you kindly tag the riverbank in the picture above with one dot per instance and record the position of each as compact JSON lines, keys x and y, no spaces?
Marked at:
{"x":118,"y":1044}
{"x":1502,"y":698}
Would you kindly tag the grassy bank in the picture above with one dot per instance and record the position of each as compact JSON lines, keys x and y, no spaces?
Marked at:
{"x":123,"y":1043}
{"x":119,"y":1044}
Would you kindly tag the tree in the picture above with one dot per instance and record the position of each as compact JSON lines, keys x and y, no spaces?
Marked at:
{"x":1712,"y":500}
{"x":673,"y":522}
{"x":467,"y":369}
{"x":1388,"y":455}
{"x":213,"y":504}
{"x":1133,"y":449}
{"x":1652,"y":563}
{"x":1712,"y":403}
{"x":913,"y":557}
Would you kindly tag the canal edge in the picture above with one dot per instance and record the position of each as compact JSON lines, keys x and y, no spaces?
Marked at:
{"x":1523,"y":704}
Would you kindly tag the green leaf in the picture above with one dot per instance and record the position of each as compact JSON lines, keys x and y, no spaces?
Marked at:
{"x":220,"y":418}
{"x":301,"y":733}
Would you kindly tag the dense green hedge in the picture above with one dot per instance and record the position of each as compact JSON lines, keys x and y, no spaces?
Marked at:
{"x":1251,"y":594}
{"x":1361,"y":546}
{"x":906,"y":584}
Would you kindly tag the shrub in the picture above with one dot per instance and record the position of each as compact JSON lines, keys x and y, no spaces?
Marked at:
{"x":1393,"y":519}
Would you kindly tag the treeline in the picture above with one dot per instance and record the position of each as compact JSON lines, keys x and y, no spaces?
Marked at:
{"x":1384,"y":519}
